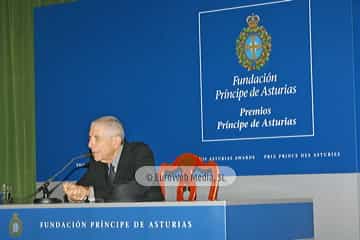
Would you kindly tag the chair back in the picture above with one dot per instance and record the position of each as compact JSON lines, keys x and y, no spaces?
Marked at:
{"x":187,"y":164}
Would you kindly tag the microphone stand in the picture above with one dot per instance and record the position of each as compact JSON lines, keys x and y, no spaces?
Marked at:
{"x":44,"y":187}
{"x":46,"y":195}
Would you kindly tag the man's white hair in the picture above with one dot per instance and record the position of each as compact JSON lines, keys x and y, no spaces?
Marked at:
{"x":113,"y":127}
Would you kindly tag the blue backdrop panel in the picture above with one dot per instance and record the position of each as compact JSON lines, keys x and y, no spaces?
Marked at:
{"x":272,"y":102}
{"x":161,"y":67}
{"x":356,"y":29}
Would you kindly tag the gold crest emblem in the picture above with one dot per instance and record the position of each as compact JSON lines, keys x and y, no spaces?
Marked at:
{"x":15,"y":226}
{"x":253,"y":45}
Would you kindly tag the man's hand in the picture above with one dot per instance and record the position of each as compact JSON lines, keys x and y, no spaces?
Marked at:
{"x":76,"y":193}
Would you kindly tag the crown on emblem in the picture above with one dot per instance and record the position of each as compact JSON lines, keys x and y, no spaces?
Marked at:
{"x":253,"y":20}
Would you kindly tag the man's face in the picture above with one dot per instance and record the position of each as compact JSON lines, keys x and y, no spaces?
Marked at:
{"x":103,"y":147}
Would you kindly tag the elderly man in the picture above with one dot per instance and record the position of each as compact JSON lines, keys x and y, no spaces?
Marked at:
{"x":111,"y":173}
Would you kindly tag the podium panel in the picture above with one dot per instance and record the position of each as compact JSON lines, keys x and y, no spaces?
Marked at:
{"x":271,"y":221}
{"x":156,"y":221}
{"x":150,"y":221}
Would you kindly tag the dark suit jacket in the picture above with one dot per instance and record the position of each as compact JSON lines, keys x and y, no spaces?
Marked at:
{"x":124,"y":187}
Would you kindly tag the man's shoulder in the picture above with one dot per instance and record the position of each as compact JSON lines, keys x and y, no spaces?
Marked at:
{"x":136,"y":145}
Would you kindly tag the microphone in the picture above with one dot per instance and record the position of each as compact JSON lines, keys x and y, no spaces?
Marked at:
{"x":44,"y":186}
{"x":82,"y":165}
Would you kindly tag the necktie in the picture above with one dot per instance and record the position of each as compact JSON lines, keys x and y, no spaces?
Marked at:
{"x":111,"y":173}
